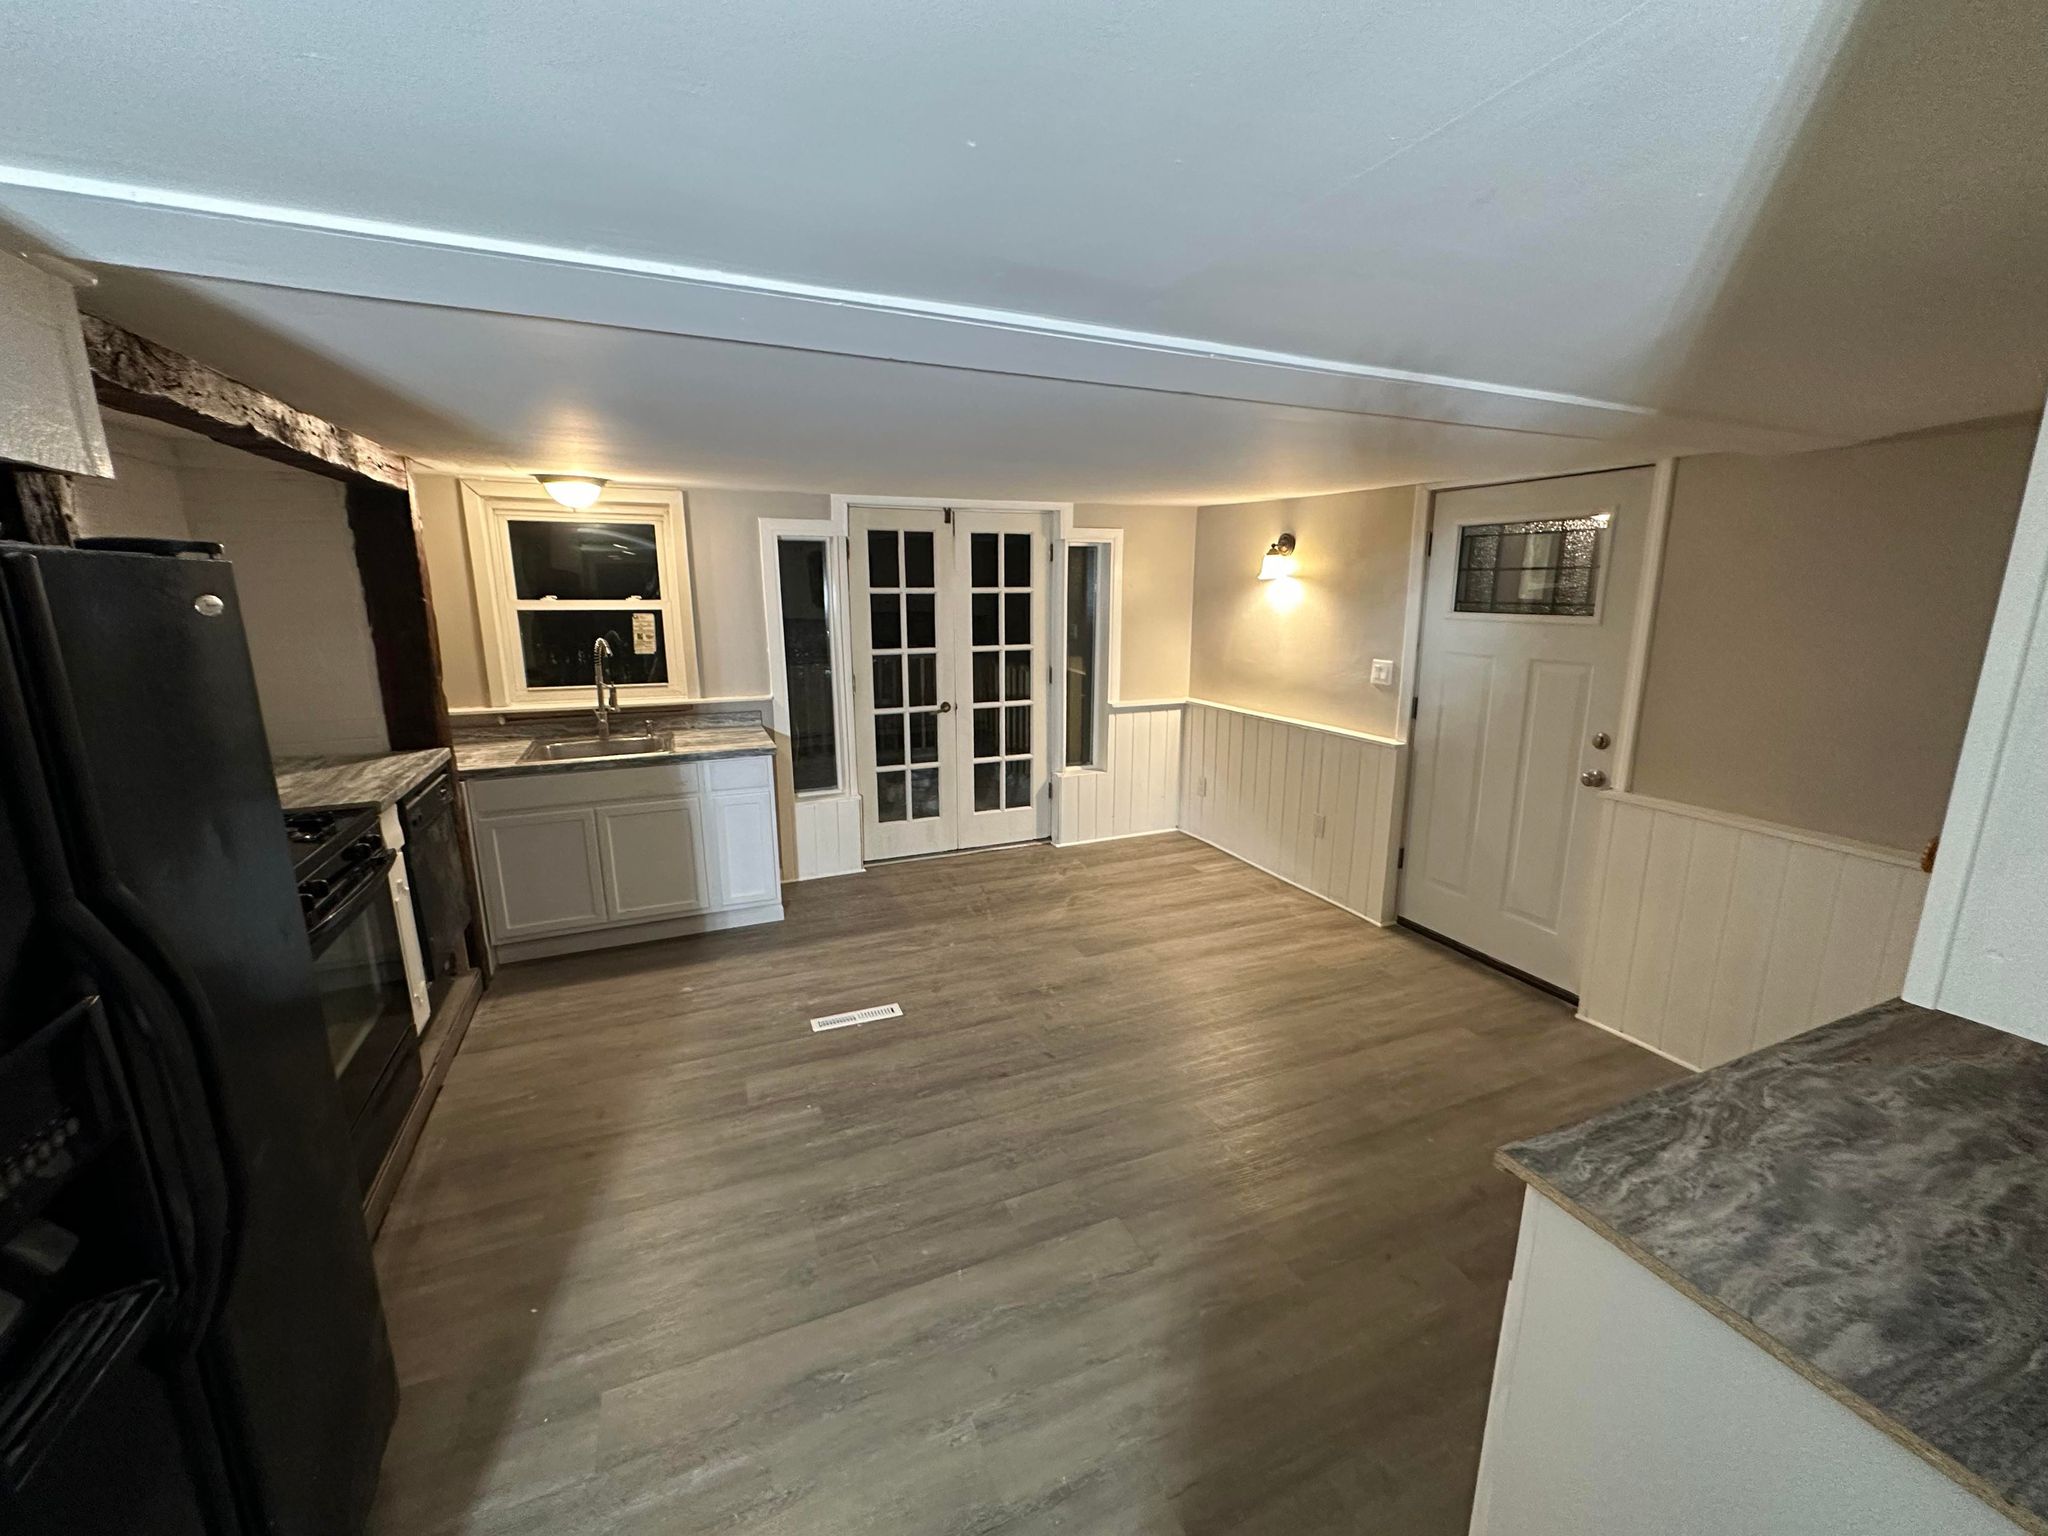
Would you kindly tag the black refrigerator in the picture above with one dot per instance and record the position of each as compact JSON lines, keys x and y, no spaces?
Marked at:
{"x":191,"y":1339}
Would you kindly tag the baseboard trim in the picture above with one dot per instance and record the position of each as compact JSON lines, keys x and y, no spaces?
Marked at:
{"x":1123,"y":837}
{"x":1262,"y":869}
{"x":1639,"y":1044}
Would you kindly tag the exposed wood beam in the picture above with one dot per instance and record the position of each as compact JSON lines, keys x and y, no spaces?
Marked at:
{"x":131,"y":373}
{"x":37,"y":505}
{"x":393,"y":571}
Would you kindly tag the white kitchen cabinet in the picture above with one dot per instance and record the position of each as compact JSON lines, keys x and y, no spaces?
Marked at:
{"x":653,"y":854}
{"x":748,"y":862}
{"x":589,"y":857}
{"x":540,"y":871}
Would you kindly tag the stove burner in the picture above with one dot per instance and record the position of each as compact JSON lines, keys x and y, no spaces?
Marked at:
{"x":310,"y":826}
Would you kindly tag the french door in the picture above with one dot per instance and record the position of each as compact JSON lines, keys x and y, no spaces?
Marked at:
{"x":950,"y":677}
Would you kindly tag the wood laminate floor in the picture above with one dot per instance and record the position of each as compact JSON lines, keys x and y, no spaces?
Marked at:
{"x":1165,"y":1208}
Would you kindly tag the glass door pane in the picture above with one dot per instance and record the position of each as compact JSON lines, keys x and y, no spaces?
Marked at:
{"x":901,"y":557}
{"x":1002,"y":565}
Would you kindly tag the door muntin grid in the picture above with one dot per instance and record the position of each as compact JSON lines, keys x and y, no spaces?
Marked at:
{"x":1002,"y":654}
{"x":903,"y":634}
{"x":1539,"y":567}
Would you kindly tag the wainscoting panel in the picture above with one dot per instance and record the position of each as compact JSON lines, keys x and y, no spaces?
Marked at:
{"x":1138,"y":791}
{"x":827,"y":836}
{"x":1308,"y":803}
{"x":1713,"y":935}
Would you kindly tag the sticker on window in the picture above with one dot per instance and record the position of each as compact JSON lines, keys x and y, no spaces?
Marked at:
{"x":643,"y":634}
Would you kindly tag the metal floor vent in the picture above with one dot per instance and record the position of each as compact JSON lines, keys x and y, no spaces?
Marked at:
{"x":858,"y":1016}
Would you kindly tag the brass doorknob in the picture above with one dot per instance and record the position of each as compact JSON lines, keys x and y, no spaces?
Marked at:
{"x":1593,"y":778}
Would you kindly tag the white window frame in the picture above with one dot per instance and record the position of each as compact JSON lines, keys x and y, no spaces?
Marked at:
{"x":773,"y":532}
{"x":1108,"y":644}
{"x":489,"y":507}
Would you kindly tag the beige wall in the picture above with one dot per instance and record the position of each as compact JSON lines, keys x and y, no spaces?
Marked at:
{"x":1305,"y":648}
{"x":1158,"y":595}
{"x":287,"y":533}
{"x":725,"y":585}
{"x":438,"y":505}
{"x":725,"y":581}
{"x":1819,"y":626}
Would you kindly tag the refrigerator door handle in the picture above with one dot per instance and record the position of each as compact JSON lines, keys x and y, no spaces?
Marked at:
{"x":136,"y":967}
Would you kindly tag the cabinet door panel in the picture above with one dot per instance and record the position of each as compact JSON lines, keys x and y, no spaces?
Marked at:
{"x":749,"y":869}
{"x":653,"y":858}
{"x":540,"y":872}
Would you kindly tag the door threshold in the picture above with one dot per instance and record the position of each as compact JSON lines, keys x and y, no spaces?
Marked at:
{"x":1488,"y":960}
{"x":959,"y":853}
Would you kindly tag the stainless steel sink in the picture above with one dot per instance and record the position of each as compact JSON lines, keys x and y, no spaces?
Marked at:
{"x":591,"y":746}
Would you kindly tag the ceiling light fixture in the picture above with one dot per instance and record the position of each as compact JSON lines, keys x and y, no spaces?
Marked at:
{"x":1279,"y":559}
{"x":577,"y":491}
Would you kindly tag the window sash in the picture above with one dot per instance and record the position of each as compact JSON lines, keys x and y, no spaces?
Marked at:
{"x":1092,"y":716}
{"x":492,"y":507}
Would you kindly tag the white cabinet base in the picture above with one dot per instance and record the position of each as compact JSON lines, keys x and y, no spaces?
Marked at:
{"x":591,"y":858}
{"x":1622,"y":1408}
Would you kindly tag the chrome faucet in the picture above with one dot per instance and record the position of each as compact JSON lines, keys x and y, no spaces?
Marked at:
{"x":607,"y":694}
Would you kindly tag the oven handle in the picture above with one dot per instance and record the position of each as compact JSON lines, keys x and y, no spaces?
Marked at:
{"x":368,"y":879}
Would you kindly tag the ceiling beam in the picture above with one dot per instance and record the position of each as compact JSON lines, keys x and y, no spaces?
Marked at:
{"x":133,"y":374}
{"x":199,"y":235}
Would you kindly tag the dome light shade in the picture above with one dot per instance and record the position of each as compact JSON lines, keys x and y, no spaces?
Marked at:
{"x":577,"y":491}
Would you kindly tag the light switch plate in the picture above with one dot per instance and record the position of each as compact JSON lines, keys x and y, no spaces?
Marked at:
{"x":1382,"y":673}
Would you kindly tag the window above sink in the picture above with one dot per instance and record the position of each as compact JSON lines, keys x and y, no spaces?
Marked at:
{"x":551,"y":581}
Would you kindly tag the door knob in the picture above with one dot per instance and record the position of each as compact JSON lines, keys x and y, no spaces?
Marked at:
{"x":1602,"y":741}
{"x":946,"y":708}
{"x":1593,"y":778}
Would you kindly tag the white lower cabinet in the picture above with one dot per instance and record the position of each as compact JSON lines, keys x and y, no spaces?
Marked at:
{"x":589,"y":857}
{"x":653,"y":853}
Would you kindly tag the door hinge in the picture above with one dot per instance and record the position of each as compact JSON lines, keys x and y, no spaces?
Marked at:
{"x":949,"y":516}
{"x":1414,"y":706}
{"x":1401,"y":859}
{"x":1428,"y":542}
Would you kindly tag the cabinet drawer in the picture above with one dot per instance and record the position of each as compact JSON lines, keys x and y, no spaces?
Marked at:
{"x":739,"y":772}
{"x":583,"y":786}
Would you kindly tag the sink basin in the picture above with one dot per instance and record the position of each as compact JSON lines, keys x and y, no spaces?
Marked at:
{"x":591,"y":746}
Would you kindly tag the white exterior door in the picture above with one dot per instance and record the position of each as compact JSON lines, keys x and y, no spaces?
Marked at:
{"x":1529,"y":600}
{"x":950,"y":683}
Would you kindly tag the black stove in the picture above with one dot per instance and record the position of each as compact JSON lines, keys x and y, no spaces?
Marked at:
{"x":360,"y":971}
{"x":327,"y":843}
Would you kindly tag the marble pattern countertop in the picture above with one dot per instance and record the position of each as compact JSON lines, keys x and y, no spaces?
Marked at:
{"x":502,"y":755}
{"x":306,"y":782}
{"x":1869,"y":1203}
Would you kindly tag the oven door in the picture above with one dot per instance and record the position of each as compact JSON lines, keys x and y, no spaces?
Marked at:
{"x":359,"y":979}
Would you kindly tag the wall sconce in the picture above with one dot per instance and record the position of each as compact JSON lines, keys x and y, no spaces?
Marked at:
{"x":574,"y":491}
{"x":1279,"y":559}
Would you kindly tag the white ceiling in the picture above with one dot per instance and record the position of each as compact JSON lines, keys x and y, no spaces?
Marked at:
{"x":1160,"y":249}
